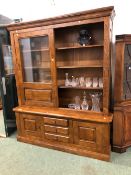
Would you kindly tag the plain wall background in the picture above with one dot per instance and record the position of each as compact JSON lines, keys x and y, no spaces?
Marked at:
{"x":40,"y":9}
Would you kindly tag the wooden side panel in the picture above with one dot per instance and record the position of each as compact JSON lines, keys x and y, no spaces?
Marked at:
{"x":119,"y":69}
{"x":106,"y":65}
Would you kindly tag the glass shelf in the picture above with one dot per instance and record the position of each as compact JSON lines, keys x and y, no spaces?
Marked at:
{"x":35,"y":50}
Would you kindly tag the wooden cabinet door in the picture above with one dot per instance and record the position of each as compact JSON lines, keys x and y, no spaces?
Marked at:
{"x":92,"y":136}
{"x":30,"y":125}
{"x":35,"y":67}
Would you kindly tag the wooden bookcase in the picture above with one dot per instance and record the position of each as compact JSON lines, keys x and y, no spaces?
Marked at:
{"x":122,"y":94}
{"x":44,"y":51}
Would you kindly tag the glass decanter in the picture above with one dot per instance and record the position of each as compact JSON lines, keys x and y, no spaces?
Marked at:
{"x":67,"y":82}
{"x":73,"y":82}
{"x":95,"y":102}
{"x":77,"y":102}
{"x":84,"y":104}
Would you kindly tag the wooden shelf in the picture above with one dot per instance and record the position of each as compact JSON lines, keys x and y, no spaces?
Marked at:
{"x":77,"y":46}
{"x":77,"y":66}
{"x":78,"y":87}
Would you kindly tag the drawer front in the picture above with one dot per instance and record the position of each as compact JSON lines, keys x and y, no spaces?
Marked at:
{"x":58,"y":138}
{"x":49,"y":128}
{"x":48,"y":120}
{"x":63,"y":131}
{"x":50,"y":136}
{"x":55,"y":121}
{"x":61,"y":122}
{"x":58,"y":130}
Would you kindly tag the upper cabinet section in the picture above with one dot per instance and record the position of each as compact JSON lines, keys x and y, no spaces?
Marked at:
{"x":74,"y":48}
{"x":35,"y":57}
{"x":123,"y":68}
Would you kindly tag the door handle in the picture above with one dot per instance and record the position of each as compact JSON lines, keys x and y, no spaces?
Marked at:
{"x":3,"y":85}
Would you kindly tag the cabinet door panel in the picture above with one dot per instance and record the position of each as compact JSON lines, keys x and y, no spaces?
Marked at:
{"x":40,"y":95}
{"x":35,"y":66}
{"x":92,"y":136}
{"x":30,"y":125}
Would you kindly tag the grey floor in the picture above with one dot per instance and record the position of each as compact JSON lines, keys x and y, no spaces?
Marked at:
{"x":18,"y":158}
{"x":2,"y":126}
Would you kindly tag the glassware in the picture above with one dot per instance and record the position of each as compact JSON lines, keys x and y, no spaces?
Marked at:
{"x":73,"y":82}
{"x":82,"y":81}
{"x":77,"y":82}
{"x":88,"y":82}
{"x":101,"y":82}
{"x":67,"y":82}
{"x":95,"y":82}
{"x":71,"y":106}
{"x":95,"y":102}
{"x":84,"y":104}
{"x":77,"y":102}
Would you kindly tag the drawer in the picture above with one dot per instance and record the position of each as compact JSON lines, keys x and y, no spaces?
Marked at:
{"x":50,"y":121}
{"x":50,"y":136}
{"x":63,"y":131}
{"x":58,"y":138}
{"x":55,"y":121}
{"x":61,"y":122}
{"x":49,"y":128}
{"x":54,"y":129}
{"x":63,"y":139}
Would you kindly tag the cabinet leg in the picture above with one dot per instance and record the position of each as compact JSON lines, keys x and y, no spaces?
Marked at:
{"x":118,"y":149}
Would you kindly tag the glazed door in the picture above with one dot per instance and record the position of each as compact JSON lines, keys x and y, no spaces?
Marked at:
{"x":35,"y":68}
{"x":127,"y":73}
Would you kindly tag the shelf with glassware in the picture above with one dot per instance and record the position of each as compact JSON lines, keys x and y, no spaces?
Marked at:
{"x":79,"y":63}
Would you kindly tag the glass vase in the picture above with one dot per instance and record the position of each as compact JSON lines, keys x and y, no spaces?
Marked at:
{"x":95,"y":102}
{"x":84,"y":104}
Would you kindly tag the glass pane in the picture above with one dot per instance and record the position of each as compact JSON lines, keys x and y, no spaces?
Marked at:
{"x":7,"y":56}
{"x":35,"y":59}
{"x":127,"y":73}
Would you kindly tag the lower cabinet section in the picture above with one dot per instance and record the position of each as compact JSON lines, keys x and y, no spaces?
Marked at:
{"x":122,"y":128}
{"x":66,"y":134}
